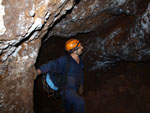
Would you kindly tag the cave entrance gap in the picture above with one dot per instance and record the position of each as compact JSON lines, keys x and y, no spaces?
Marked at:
{"x":122,"y":88}
{"x":51,"y":49}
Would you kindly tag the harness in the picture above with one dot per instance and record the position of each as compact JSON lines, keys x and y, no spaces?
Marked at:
{"x":49,"y":85}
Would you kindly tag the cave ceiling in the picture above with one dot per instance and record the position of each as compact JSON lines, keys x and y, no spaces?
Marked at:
{"x":111,"y":30}
{"x":114,"y":28}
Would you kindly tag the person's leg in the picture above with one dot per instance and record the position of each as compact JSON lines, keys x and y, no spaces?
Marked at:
{"x":76,"y":100}
{"x":67,"y":106}
{"x":79,"y":104}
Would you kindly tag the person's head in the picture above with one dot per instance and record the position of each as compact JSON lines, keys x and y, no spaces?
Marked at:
{"x":74,"y":46}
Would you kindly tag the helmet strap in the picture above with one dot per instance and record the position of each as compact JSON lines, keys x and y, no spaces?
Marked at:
{"x":74,"y":49}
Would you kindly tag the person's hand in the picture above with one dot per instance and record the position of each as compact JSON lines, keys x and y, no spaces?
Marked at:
{"x":81,"y":90}
{"x":38,"y":72}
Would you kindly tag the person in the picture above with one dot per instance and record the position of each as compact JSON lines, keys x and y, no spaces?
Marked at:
{"x":74,"y":84}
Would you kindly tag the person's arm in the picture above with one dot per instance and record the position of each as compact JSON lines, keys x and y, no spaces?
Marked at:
{"x":82,"y":78}
{"x":81,"y":89}
{"x":55,"y":65}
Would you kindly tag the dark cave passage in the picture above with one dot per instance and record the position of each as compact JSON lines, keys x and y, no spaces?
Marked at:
{"x":121,"y":88}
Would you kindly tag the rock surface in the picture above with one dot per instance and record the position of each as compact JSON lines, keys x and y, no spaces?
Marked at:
{"x":23,"y":24}
{"x":111,"y":30}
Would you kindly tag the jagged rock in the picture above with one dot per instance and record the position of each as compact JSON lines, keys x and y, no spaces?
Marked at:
{"x":87,"y":15}
{"x":23,"y":23}
{"x":111,"y":30}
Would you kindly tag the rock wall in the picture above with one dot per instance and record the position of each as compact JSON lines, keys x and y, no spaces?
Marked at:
{"x":23,"y":24}
{"x":111,"y":30}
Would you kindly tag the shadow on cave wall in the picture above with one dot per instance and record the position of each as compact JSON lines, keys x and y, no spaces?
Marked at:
{"x":123,"y":88}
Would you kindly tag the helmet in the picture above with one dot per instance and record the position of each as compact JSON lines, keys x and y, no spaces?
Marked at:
{"x":72,"y":45}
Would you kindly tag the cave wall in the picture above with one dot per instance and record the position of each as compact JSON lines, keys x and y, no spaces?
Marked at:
{"x":111,"y":30}
{"x":23,"y":24}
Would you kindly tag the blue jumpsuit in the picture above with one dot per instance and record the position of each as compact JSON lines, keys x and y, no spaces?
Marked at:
{"x":74,"y":80}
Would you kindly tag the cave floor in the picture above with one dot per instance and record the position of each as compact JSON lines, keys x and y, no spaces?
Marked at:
{"x":123,"y":88}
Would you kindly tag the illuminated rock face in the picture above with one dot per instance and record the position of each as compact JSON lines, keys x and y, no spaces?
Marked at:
{"x":111,"y":30}
{"x":23,"y":24}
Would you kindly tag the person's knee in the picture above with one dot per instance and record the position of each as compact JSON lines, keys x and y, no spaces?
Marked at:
{"x":81,"y":103}
{"x":79,"y":107}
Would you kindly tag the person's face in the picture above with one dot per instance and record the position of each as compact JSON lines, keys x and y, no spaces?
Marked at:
{"x":79,"y":51}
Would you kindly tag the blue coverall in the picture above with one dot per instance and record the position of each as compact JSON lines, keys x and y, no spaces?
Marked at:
{"x":72,"y":100}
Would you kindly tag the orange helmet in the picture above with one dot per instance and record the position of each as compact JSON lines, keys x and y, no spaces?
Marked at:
{"x":72,"y":45}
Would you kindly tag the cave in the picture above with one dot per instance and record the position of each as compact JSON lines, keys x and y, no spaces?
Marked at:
{"x":122,"y":87}
{"x":114,"y":34}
